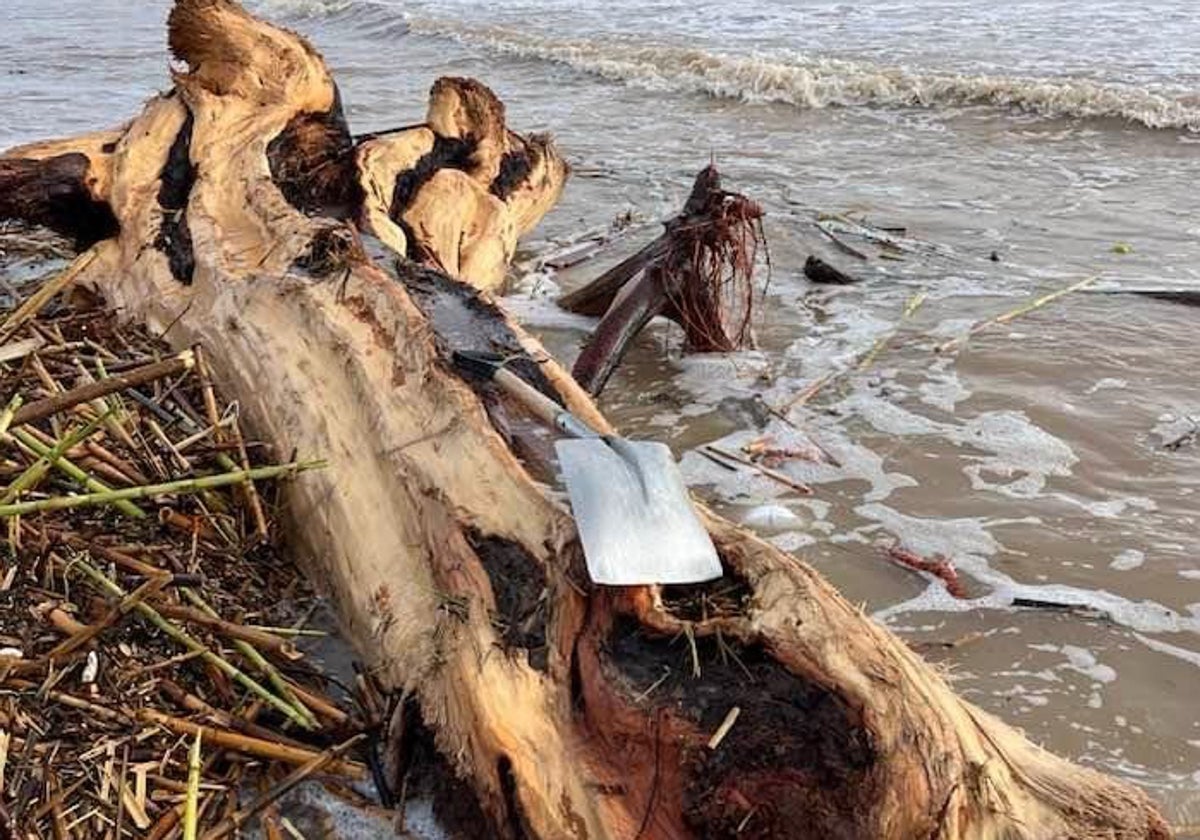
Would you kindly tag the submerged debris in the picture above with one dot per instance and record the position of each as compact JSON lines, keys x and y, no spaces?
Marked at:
{"x":699,"y":273}
{"x":819,"y":271}
{"x":938,"y":566}
{"x":159,"y":615}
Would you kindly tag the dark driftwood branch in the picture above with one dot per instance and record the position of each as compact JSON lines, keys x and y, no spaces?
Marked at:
{"x":698,"y":273}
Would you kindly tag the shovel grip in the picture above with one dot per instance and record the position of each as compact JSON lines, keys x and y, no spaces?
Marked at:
{"x":533,"y":399}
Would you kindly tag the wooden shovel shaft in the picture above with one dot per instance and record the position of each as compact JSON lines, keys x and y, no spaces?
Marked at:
{"x":545,"y":408}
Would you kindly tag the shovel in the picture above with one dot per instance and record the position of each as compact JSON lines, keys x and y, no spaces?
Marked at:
{"x":635,"y":519}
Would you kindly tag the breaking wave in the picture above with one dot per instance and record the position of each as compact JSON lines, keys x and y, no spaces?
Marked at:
{"x":821,"y":82}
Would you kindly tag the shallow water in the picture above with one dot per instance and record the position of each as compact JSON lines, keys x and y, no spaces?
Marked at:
{"x":1033,"y":457}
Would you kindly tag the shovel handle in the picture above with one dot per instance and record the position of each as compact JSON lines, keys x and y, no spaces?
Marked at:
{"x":541,"y":405}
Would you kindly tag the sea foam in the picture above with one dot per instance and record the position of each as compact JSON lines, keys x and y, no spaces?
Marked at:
{"x":816,"y":82}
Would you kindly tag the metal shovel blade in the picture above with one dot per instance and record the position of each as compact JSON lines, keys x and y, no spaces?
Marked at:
{"x":633,"y":513}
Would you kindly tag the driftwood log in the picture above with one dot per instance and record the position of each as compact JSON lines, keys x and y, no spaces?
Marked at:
{"x":698,"y":273}
{"x":236,"y":212}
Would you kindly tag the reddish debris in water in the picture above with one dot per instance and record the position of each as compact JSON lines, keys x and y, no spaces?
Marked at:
{"x":940,"y":567}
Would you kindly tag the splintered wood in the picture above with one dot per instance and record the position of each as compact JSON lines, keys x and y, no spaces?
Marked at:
{"x":157,"y":620}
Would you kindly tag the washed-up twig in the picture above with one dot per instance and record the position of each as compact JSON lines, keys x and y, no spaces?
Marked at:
{"x":864,"y":362}
{"x":723,"y":729}
{"x":211,"y":621}
{"x":188,"y":485}
{"x":103,"y":387}
{"x":38,"y":300}
{"x":190,"y":810}
{"x":95,"y":709}
{"x":839,"y":242}
{"x":1032,"y":306}
{"x":101,"y":491}
{"x":191,"y":643}
{"x":250,"y":746}
{"x":939,"y":567}
{"x":810,"y":391}
{"x":774,"y":475}
{"x":260,"y":662}
{"x":914,"y":303}
{"x":235,"y":821}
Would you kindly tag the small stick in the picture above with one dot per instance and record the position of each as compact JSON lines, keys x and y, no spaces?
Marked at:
{"x":723,"y":729}
{"x":204,"y":616}
{"x":854,"y":252}
{"x":186,"y":524}
{"x":1013,"y":314}
{"x":64,"y":622}
{"x":184,"y":486}
{"x":210,"y":621}
{"x":157,"y":431}
{"x":191,"y":643}
{"x":190,"y":815}
{"x":257,"y":659}
{"x":236,"y":820}
{"x":256,"y":510}
{"x":5,"y":739}
{"x":132,"y":474}
{"x":99,"y":488}
{"x":32,"y":476}
{"x":811,"y":391}
{"x":914,"y":303}
{"x":288,"y":631}
{"x":101,"y":712}
{"x":10,"y":410}
{"x":218,"y":716}
{"x":91,"y":631}
{"x":257,"y":747}
{"x":38,"y":300}
{"x":319,"y":704}
{"x":774,"y":475}
{"x":214,"y":420}
{"x":100,"y":406}
{"x":94,"y":390}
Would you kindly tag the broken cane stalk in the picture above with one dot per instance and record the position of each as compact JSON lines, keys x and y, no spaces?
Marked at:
{"x":187,"y":485}
{"x":193,"y":644}
{"x":101,"y":491}
{"x":259,"y":661}
{"x":38,"y":469}
{"x":1025,"y":309}
{"x":236,"y":820}
{"x":257,"y":747}
{"x":190,"y":810}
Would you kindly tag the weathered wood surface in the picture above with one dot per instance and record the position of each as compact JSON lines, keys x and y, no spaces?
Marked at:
{"x":232,"y":210}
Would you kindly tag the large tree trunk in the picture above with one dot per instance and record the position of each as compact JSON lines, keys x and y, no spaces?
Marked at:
{"x":571,"y":710}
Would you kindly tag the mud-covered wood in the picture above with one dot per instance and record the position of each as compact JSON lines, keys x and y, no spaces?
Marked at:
{"x":566,"y":710}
